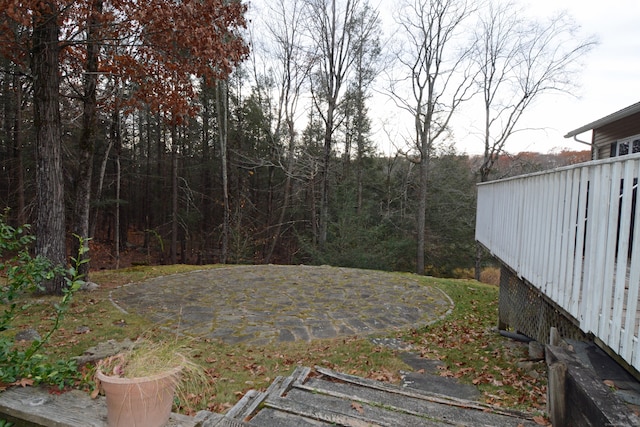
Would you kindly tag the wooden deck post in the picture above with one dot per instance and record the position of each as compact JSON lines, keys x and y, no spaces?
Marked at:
{"x":557,"y":393}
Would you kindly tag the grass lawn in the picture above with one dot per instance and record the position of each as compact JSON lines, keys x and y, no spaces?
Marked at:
{"x":466,"y":341}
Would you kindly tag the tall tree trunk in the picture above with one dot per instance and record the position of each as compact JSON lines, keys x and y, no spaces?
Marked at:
{"x":8,"y":106}
{"x":86,"y":146}
{"x":10,"y":99}
{"x":359,"y":167}
{"x":174,"y":195}
{"x":147,"y":187}
{"x":98,"y":196}
{"x":159,"y":211}
{"x":421,"y":217}
{"x":287,"y":190}
{"x":50,"y":223}
{"x":17,"y":150}
{"x":478,"y":261}
{"x":324,"y":196}
{"x":313,"y":207}
{"x":117,"y":142}
{"x":207,"y":215}
{"x":221,"y":107}
{"x":424,"y":136}
{"x":117,"y":224}
{"x":485,"y":169}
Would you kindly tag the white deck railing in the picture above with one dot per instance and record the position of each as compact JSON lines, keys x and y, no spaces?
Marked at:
{"x":574,"y":233}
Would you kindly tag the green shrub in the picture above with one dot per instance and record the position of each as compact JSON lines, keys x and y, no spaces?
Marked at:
{"x":22,"y":275}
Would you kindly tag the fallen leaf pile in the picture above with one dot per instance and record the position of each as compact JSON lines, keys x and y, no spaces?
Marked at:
{"x":473,"y":352}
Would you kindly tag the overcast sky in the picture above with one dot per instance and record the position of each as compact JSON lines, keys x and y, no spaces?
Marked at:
{"x":609,"y":82}
{"x":610,"y":79}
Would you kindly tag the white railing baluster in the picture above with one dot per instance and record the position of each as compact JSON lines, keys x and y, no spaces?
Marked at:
{"x":567,"y":232}
{"x":555,"y":235}
{"x":621,"y":280}
{"x":546,"y":238}
{"x":571,"y":221}
{"x":593,"y":245}
{"x":607,"y":279}
{"x":579,"y":268}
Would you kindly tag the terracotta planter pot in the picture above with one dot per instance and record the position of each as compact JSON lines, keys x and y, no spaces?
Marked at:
{"x":139,"y":402}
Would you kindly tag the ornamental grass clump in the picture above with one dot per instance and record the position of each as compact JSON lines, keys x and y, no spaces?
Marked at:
{"x":145,"y":358}
{"x":149,"y":358}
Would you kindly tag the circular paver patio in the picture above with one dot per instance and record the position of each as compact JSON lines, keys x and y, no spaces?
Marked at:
{"x":266,"y":303}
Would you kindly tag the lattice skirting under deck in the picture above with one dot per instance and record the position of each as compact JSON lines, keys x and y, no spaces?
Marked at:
{"x":522,"y":308}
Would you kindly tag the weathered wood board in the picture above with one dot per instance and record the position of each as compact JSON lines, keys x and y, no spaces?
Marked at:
{"x":325,"y":397}
{"x":35,"y":406}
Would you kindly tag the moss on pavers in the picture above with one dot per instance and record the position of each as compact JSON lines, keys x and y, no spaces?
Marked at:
{"x":258,"y":304}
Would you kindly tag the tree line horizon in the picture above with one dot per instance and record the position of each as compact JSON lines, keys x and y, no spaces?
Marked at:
{"x":183,"y":120}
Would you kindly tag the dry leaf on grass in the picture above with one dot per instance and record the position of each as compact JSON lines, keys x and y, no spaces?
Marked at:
{"x":24,"y":382}
{"x":541,"y":421}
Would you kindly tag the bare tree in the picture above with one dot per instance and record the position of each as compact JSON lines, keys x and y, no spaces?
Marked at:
{"x":520,"y":59}
{"x":86,"y":144}
{"x":222,"y":102}
{"x":116,"y":137}
{"x":332,"y":25}
{"x":289,"y":71}
{"x":367,"y":51}
{"x":435,"y":70}
{"x":173,"y":249}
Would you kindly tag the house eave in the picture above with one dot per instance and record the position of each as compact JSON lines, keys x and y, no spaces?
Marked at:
{"x":618,"y":115}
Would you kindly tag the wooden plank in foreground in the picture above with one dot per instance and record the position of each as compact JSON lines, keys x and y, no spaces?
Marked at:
{"x":35,"y":406}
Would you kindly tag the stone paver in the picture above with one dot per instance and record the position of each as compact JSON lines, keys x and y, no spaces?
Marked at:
{"x":270,"y":303}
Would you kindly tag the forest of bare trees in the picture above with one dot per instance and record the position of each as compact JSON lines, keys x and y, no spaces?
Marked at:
{"x":219,"y":138}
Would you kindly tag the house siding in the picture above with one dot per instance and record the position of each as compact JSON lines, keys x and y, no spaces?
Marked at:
{"x":605,"y":135}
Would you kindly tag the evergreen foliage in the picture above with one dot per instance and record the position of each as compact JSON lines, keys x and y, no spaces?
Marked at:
{"x":239,"y":166}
